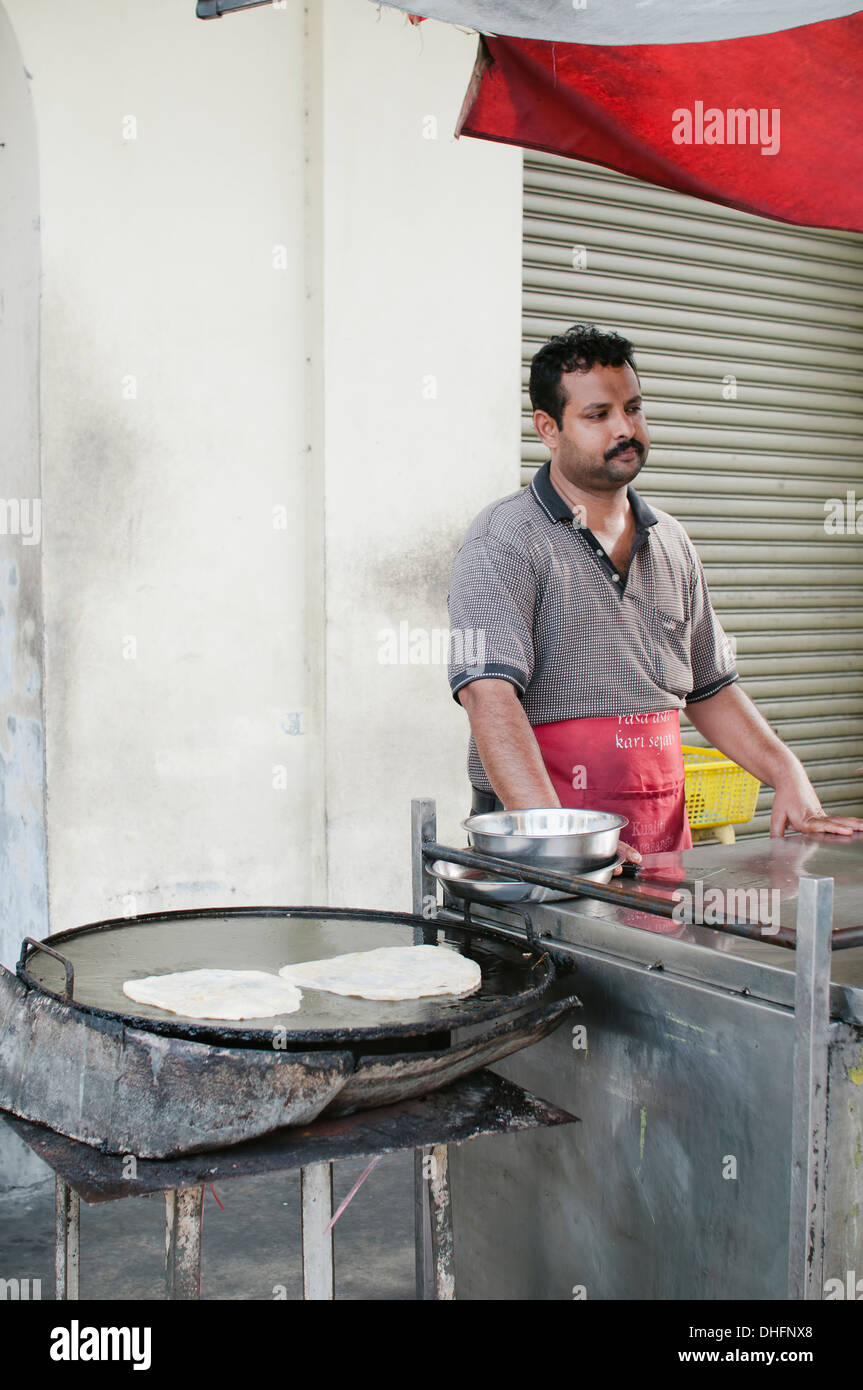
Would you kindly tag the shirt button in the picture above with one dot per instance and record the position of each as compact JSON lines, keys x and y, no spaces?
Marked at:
{"x":616,"y":578}
{"x":599,"y":552}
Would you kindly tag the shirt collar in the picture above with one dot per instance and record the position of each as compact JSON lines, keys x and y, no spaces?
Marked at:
{"x":554,"y":506}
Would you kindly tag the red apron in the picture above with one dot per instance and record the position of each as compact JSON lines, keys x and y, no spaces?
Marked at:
{"x":631,"y":764}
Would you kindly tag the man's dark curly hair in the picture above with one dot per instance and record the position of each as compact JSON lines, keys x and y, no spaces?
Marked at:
{"x":580,"y":348}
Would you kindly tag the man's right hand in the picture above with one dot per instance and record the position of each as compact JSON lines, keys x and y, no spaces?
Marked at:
{"x":631,"y":855}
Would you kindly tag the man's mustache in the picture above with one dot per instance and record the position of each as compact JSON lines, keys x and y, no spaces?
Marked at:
{"x":622,"y":448}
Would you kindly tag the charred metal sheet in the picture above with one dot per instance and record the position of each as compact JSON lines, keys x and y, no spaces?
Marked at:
{"x":126,"y":1091}
{"x":481,"y":1104}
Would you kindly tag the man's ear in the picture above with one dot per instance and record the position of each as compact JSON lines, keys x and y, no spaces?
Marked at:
{"x":546,"y":428}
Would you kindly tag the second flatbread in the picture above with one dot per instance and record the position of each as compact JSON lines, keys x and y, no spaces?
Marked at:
{"x":389,"y":972}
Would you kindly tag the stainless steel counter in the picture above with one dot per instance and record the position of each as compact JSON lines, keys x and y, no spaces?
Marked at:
{"x":677,"y":1182}
{"x":711,"y":955}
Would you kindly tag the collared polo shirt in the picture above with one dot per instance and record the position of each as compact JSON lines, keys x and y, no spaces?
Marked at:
{"x":535,"y":600}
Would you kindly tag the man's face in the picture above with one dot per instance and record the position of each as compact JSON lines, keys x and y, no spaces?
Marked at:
{"x":603,"y":441}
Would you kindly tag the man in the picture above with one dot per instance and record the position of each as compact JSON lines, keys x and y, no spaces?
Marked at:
{"x":595,"y":627}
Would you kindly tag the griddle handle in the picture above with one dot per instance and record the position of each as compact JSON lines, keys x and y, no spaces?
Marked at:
{"x":49,"y":950}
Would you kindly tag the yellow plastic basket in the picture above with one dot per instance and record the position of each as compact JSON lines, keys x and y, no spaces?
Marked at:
{"x":718,"y":792}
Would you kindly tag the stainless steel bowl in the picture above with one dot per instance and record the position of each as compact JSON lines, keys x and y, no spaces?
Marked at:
{"x":554,"y":837}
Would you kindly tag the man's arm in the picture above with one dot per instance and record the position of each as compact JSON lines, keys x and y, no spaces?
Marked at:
{"x":506,"y":745}
{"x":509,"y":751}
{"x":730,"y":722}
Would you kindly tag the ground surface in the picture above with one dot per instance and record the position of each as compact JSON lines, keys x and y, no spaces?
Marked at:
{"x":249,"y":1249}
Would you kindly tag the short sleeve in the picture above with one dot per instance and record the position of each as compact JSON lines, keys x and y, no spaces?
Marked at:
{"x":492,"y":598}
{"x":713,"y":664}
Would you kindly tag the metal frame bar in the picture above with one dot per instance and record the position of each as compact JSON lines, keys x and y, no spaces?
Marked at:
{"x":316,"y":1197}
{"x":550,"y":878}
{"x":67,"y":965}
{"x":423,"y":884}
{"x":184,"y":1213}
{"x":67,"y":1248}
{"x":807,"y":1227}
{"x":424,"y":892}
{"x":440,"y":1205}
{"x":214,"y":9}
{"x":843,"y":939}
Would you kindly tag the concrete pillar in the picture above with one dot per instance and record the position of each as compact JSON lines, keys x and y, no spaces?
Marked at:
{"x":23,"y":850}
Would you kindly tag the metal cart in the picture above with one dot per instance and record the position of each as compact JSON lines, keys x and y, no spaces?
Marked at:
{"x":718,"y":1078}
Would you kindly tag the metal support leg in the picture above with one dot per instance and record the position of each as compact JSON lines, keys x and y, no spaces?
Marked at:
{"x":316,"y":1186}
{"x":423,"y":886}
{"x":67,"y":1206}
{"x":184,"y":1209}
{"x":424,"y":893}
{"x":423,"y":1226}
{"x":440,"y":1201}
{"x":809,"y":1115}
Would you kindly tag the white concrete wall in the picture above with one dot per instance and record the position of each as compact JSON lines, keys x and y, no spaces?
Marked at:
{"x":171,"y":166}
{"x":423,"y":280}
{"x":23,"y":864}
{"x":189,"y":386}
{"x":23,"y":848}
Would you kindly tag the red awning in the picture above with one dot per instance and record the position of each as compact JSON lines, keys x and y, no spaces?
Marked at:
{"x":769,"y":122}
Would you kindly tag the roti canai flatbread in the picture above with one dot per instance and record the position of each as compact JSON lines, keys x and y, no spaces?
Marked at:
{"x":229,"y":994}
{"x":389,"y":972}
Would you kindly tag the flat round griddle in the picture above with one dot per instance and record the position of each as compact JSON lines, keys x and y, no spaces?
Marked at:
{"x":105,"y":954}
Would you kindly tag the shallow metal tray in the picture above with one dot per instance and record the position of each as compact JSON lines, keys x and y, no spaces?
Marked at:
{"x":105,"y":954}
{"x":475,"y":886}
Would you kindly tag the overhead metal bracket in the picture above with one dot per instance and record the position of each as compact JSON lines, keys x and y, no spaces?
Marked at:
{"x":214,"y":9}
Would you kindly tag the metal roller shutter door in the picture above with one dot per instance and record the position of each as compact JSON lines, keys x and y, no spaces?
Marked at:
{"x":708,"y":294}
